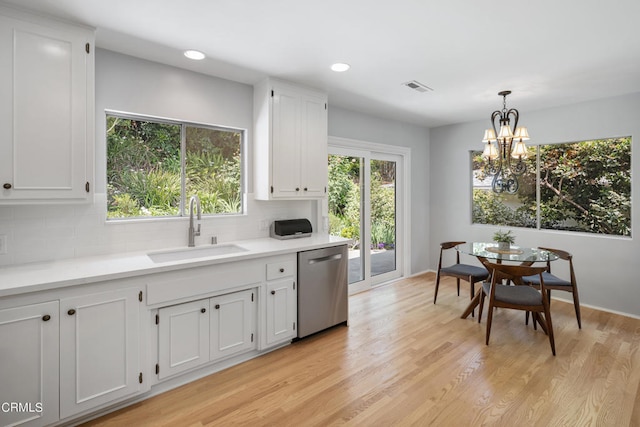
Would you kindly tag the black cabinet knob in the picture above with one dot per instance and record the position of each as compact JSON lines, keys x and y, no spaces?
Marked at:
{"x":282,"y":270}
{"x":273,"y":292}
{"x":6,"y":186}
{"x":71,"y":312}
{"x":217,"y":306}
{"x":204,"y":310}
{"x":46,"y":318}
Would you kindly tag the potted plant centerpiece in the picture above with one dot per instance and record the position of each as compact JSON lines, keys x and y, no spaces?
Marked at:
{"x":504,"y":239}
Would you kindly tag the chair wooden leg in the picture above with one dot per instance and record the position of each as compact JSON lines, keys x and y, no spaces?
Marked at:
{"x":435,"y":295}
{"x":547,"y":314}
{"x":576,"y":304}
{"x":489,"y":319}
{"x":458,"y":283}
{"x":472,"y":289}
{"x":481,"y":305}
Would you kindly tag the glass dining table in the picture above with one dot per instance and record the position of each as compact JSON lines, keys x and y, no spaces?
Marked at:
{"x":489,"y":252}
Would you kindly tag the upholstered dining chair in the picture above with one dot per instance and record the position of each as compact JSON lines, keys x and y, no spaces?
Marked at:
{"x":520,"y":297}
{"x":470,"y":273}
{"x":552,"y":282}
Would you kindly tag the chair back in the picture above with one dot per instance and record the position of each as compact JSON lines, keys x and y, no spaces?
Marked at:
{"x":563,"y":255}
{"x":514,"y":272}
{"x":448,"y":245}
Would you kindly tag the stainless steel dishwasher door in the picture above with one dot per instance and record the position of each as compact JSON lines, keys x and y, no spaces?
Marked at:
{"x":322,"y":289}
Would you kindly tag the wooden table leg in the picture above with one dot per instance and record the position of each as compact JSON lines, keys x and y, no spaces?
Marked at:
{"x":475,"y":301}
{"x":539,"y":317}
{"x":473,"y":304}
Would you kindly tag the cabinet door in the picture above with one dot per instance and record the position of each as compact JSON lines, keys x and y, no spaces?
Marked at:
{"x":281,"y":311}
{"x":232,"y":324}
{"x":183,"y":337}
{"x":313,"y":147}
{"x":29,"y":369}
{"x":46,"y":80}
{"x":285,"y":148}
{"x":99,"y":349}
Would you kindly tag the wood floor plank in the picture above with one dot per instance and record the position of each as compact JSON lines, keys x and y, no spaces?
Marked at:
{"x":405,"y":361}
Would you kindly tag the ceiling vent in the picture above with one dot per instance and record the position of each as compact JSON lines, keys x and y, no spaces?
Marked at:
{"x":416,"y":85}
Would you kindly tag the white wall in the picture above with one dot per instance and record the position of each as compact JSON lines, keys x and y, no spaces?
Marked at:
{"x":605,"y":266}
{"x":124,"y":83}
{"x":353,"y":125}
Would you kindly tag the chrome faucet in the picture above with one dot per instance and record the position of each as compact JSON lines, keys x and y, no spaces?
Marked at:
{"x":192,"y":231}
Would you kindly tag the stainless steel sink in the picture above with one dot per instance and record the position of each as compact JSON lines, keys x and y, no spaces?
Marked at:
{"x":192,"y":253}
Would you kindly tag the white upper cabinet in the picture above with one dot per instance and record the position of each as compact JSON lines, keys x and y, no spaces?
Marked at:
{"x":290,"y":142}
{"x":46,"y":110}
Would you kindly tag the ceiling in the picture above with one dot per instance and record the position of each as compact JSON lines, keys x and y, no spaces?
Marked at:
{"x":547,"y":52}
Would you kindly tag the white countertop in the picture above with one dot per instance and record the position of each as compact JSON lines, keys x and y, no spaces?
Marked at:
{"x":34,"y":277}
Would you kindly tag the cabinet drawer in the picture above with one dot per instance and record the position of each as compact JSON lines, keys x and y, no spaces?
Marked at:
{"x":277,"y":270}
{"x":178,"y":286}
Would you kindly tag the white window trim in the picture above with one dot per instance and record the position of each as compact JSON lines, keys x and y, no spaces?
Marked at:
{"x":243,"y":162}
{"x":404,"y":207}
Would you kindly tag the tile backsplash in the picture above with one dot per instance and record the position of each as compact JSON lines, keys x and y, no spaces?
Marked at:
{"x":52,"y":232}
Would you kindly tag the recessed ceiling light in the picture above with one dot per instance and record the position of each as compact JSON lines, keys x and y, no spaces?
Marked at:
{"x":194,"y":54}
{"x":339,"y":67}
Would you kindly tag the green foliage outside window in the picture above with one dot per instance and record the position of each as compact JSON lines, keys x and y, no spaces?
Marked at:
{"x":584,"y":186}
{"x":344,"y":197}
{"x":345,"y":200}
{"x":146,"y":176}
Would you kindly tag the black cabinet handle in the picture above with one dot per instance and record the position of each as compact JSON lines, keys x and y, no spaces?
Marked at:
{"x":305,"y":189}
{"x":46,"y":318}
{"x":217,"y":306}
{"x":71,"y":312}
{"x":6,"y":186}
{"x":282,"y":270}
{"x":297,"y":189}
{"x":204,"y":310}
{"x":273,"y":292}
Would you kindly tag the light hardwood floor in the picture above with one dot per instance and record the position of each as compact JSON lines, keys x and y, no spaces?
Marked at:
{"x":405,"y":361}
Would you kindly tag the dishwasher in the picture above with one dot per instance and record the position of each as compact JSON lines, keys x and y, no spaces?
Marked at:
{"x":322,"y":289}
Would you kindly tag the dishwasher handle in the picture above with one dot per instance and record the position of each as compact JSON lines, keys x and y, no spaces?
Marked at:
{"x":325,"y":258}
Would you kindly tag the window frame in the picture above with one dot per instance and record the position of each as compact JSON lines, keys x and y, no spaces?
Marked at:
{"x":182,"y":210}
{"x":538,"y":196}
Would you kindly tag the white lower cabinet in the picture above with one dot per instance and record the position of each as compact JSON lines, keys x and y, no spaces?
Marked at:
{"x":29,"y":340}
{"x":281,"y":311}
{"x":99,"y":349}
{"x":203,"y":331}
{"x":183,"y":337}
{"x":65,"y":353}
{"x":232,"y":324}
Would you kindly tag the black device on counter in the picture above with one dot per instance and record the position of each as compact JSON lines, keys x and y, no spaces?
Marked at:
{"x":291,"y":228}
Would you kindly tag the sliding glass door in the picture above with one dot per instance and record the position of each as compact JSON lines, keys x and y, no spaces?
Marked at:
{"x":363,"y":206}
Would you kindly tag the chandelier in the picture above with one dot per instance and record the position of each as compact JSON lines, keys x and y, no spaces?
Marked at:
{"x":505,"y":153}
